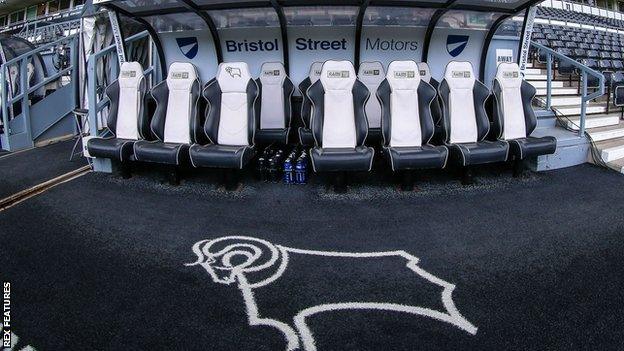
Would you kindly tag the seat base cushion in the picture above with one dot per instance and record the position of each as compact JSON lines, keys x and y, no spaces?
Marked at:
{"x":306,"y":137}
{"x":160,"y":152}
{"x":221,"y":156}
{"x":342,"y":159}
{"x":113,"y":148}
{"x":417,"y":157}
{"x":480,"y":152}
{"x":528,"y":147}
{"x":267,"y":136}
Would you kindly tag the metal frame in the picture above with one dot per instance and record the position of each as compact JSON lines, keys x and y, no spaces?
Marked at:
{"x":584,"y":71}
{"x":431,"y":27}
{"x":358,"y":33}
{"x":284,"y":32}
{"x":488,"y":41}
{"x":26,"y":90}
{"x":189,"y":4}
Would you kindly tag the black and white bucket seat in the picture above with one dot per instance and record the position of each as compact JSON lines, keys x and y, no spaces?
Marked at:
{"x":372,"y":74}
{"x":176,"y":121}
{"x":231,"y":119}
{"x":406,"y":120}
{"x":514,"y":118}
{"x":339,"y":123}
{"x":275,"y":90}
{"x":127,"y":118}
{"x":465,"y":119}
{"x":436,"y":110}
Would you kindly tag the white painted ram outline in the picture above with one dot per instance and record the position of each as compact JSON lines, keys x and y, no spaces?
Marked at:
{"x":299,"y":336}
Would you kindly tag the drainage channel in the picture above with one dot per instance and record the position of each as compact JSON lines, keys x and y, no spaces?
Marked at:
{"x":26,"y":194}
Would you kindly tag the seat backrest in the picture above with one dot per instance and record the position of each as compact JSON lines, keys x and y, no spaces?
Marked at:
{"x":306,"y":105}
{"x":372,"y":74}
{"x":338,"y":99}
{"x":513,"y":115}
{"x":176,"y":118}
{"x":465,"y":119}
{"x":405,"y":99}
{"x":127,"y":109}
{"x":425,"y":75}
{"x":183,"y":84}
{"x":231,"y":118}
{"x":275,"y":89}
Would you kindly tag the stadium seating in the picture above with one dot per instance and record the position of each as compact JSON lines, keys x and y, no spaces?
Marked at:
{"x":176,"y":121}
{"x":436,"y":110}
{"x":231,"y":119}
{"x":407,"y":123}
{"x":465,"y":119}
{"x":275,"y":91}
{"x":127,"y":118}
{"x":339,"y":124}
{"x":513,"y":116}
{"x":305,"y":133}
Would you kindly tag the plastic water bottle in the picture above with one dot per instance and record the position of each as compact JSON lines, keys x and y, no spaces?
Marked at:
{"x":261,"y":168}
{"x":301,"y":170}
{"x":288,"y":171}
{"x":272,"y":169}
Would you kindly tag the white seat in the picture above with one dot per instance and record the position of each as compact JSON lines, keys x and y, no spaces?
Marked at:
{"x":276,"y":91}
{"x":372,"y":74}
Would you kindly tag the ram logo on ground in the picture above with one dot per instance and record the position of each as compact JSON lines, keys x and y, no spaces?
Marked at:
{"x":257,"y":268}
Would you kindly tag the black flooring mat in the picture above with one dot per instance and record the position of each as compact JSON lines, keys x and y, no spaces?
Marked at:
{"x":22,"y":170}
{"x":99,"y":264}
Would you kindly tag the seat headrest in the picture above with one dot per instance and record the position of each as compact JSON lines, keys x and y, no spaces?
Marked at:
{"x":338,"y":75}
{"x":371,"y":72}
{"x":459,"y":75}
{"x":425,"y":72}
{"x":181,"y":76}
{"x":130,"y":75}
{"x":233,"y":77}
{"x":272,"y":73}
{"x":315,"y":71}
{"x":403,"y":75}
{"x":508,"y":75}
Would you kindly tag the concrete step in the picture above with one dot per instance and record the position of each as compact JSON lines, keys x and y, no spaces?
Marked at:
{"x":576,"y":110}
{"x":532,"y":71}
{"x":538,"y":77}
{"x":542,"y":84}
{"x":606,"y":134}
{"x":617,"y":165}
{"x":611,"y":150}
{"x":564,"y":100}
{"x":541,"y":92}
{"x":594,"y":122}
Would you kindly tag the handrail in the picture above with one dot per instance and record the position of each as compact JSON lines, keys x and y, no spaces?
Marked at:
{"x":111,"y":48}
{"x":39,"y":49}
{"x":584,"y":72}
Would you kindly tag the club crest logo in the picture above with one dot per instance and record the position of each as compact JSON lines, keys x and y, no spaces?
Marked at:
{"x":233,"y":72}
{"x":257,"y":267}
{"x":455,"y":44}
{"x":188,"y":46}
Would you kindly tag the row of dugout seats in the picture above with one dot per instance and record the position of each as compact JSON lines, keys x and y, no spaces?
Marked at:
{"x":338,"y":114}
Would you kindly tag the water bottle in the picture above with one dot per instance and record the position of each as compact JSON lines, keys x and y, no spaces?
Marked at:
{"x":288,"y":171}
{"x":300,"y":171}
{"x":272,"y":169}
{"x":261,"y":168}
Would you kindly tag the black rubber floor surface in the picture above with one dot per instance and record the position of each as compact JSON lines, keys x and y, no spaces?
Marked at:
{"x":98,"y":264}
{"x":22,"y":170}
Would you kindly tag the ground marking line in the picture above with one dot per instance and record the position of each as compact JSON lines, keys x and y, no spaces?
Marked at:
{"x":26,"y":194}
{"x":218,"y":263}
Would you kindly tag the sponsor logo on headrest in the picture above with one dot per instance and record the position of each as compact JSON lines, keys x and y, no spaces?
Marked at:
{"x":271,"y":73}
{"x":423,"y":72}
{"x":404,"y":74}
{"x":337,"y":74}
{"x":510,"y":74}
{"x":233,"y":72}
{"x":317,"y":72}
{"x":179,"y":75}
{"x":370,"y":72}
{"x":128,"y":74}
{"x":461,"y":74}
